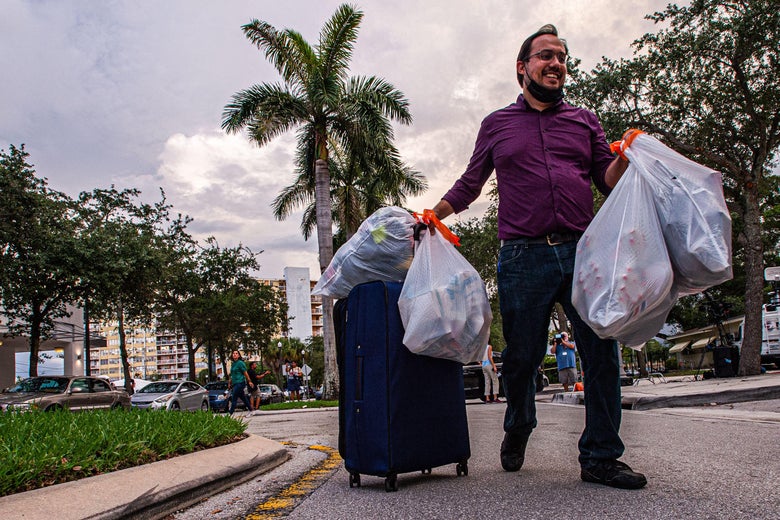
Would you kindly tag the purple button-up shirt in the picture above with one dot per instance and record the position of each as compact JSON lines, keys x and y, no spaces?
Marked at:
{"x":544,"y":163}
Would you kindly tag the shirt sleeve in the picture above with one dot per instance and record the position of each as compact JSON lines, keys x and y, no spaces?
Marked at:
{"x":601,"y":156}
{"x":468,"y":187}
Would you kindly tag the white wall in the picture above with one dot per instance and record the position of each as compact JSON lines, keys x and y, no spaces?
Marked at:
{"x":299,"y":301}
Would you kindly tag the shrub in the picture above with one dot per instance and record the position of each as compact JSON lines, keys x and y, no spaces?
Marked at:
{"x":45,"y":448}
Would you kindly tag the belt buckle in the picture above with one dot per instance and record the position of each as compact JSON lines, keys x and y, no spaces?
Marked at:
{"x":551,"y":237}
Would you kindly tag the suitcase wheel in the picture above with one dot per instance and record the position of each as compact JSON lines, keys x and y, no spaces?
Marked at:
{"x":391,"y":483}
{"x":354,"y":480}
{"x":462,"y":468}
{"x":426,"y":471}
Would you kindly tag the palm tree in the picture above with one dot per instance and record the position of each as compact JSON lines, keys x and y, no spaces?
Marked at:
{"x":361,"y":183}
{"x":325,"y":103}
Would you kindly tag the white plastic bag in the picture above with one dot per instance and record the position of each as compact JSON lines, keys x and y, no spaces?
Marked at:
{"x":443,"y":304}
{"x":692,"y":211}
{"x":380,"y":250}
{"x":622,"y":275}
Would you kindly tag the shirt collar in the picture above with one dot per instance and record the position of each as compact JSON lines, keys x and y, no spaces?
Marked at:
{"x":522,"y":103}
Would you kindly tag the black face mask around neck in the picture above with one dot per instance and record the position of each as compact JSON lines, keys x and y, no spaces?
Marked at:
{"x":544,"y":94}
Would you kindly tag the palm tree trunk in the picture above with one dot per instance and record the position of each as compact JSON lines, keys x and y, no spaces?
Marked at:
{"x":325,"y":243}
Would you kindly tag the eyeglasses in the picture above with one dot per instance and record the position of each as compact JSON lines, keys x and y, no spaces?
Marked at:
{"x":548,"y":55}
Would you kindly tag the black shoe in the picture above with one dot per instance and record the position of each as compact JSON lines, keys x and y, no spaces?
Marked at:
{"x":513,"y":451}
{"x":615,"y":474}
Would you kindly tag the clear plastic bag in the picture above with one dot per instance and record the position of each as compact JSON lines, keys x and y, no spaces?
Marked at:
{"x":380,"y":250}
{"x":443,"y":304}
{"x":622,"y":275}
{"x":692,"y":211}
{"x":665,"y":231}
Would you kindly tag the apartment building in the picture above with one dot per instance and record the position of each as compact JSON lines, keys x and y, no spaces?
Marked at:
{"x":303,"y":309}
{"x":151,"y":353}
{"x":162,"y":354}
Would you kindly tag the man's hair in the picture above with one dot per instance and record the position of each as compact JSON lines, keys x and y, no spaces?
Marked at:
{"x":525,"y":48}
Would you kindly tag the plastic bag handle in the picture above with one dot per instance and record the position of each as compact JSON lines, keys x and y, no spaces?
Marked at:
{"x":429,"y":217}
{"x":619,"y":147}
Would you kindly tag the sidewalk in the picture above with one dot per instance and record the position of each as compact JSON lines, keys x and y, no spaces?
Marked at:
{"x":149,"y":491}
{"x":659,"y":392}
{"x":154,"y":490}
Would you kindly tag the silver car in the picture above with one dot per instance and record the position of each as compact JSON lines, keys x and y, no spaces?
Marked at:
{"x":171,"y":395}
{"x":270,"y":394}
{"x":76,"y":393}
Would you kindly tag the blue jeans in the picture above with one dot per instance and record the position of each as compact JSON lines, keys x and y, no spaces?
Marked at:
{"x":238,"y":392}
{"x":531,"y":278}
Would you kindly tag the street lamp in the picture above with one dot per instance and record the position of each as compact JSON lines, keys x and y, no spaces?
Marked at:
{"x":303,"y":364}
{"x":279,"y":344}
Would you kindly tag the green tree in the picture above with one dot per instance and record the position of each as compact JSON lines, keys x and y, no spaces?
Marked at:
{"x":39,"y":266}
{"x":362,"y":181}
{"x":280,"y":350}
{"x":124,"y":256}
{"x":707,"y":85}
{"x":230,"y":310}
{"x":320,"y":98}
{"x":178,"y":288}
{"x":315,"y":358}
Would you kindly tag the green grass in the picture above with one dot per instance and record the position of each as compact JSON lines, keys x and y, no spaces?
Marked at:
{"x":293,"y":405}
{"x":39,"y":449}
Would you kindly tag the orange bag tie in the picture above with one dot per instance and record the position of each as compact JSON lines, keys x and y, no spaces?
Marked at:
{"x":619,"y":147}
{"x":429,"y":217}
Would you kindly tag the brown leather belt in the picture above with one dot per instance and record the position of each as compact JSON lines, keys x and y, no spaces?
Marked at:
{"x":553,"y":239}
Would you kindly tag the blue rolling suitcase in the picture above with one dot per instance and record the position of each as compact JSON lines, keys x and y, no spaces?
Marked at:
{"x":399,"y":412}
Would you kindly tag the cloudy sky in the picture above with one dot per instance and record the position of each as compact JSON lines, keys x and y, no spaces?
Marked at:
{"x":131,"y":93}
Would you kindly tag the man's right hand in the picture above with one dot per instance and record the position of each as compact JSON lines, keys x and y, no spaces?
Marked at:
{"x":432,"y":218}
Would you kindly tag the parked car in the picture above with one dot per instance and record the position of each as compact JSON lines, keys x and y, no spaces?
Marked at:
{"x":270,"y":394}
{"x":219,"y":396}
{"x":76,"y":393}
{"x":474,"y":380}
{"x":171,"y":395}
{"x":139,"y":384}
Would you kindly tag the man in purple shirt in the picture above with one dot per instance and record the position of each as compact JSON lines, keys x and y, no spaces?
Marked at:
{"x":546,"y":153}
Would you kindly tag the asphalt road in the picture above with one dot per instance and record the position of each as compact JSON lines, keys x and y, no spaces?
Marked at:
{"x":711,"y":462}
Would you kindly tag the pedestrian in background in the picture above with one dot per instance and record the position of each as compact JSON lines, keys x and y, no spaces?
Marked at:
{"x":294,"y":380}
{"x":239,"y":379}
{"x":254,"y":377}
{"x":567,"y":360}
{"x":490,"y":372}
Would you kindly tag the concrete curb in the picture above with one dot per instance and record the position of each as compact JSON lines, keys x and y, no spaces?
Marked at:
{"x":674,"y":394}
{"x":151,"y":490}
{"x":725,"y":396}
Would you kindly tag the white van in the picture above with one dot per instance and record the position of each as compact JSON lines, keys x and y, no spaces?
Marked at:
{"x":770,"y":336}
{"x":770,"y":339}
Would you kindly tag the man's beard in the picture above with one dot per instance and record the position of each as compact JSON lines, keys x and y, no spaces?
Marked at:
{"x":544,"y":94}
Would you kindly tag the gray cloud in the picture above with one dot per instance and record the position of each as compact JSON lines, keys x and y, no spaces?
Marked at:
{"x":131,"y":93}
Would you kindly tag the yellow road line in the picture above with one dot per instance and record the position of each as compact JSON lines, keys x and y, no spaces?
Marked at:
{"x":285,"y":501}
